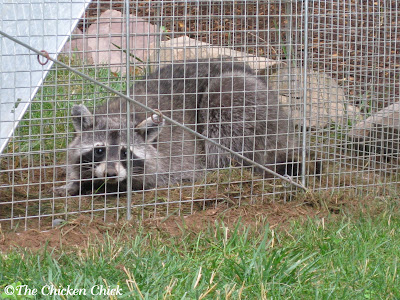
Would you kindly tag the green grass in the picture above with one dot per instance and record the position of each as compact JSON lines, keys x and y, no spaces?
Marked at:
{"x":338,"y":258}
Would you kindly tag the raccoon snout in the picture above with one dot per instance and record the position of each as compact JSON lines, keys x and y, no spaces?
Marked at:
{"x":113,"y":171}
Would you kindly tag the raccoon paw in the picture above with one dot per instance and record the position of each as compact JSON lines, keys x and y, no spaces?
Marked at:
{"x":65,"y":190}
{"x":60,"y":191}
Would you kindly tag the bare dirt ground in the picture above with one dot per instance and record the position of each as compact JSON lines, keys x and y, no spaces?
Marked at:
{"x":83,"y":230}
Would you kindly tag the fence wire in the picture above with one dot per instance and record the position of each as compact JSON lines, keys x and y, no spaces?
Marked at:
{"x":231,"y":102}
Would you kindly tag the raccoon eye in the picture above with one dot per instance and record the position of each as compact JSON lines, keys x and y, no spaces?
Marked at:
{"x":124,"y":153}
{"x":99,"y":152}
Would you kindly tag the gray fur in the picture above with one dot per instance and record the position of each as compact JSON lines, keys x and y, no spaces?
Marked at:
{"x":82,"y":118}
{"x":224,"y":101}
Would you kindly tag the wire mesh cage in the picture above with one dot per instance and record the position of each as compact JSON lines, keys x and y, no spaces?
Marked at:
{"x":155,"y":108}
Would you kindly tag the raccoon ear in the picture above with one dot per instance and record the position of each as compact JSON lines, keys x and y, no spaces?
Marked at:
{"x":150,"y":128}
{"x":82,"y":118}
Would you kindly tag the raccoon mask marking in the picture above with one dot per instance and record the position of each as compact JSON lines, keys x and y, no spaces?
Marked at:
{"x":97,"y":159}
{"x":98,"y":152}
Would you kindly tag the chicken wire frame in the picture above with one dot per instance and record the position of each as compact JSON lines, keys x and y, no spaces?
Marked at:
{"x":287,"y":182}
{"x":338,"y":155}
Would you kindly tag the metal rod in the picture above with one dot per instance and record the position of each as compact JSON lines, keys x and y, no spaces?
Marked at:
{"x":128,"y":116}
{"x":304,"y":142}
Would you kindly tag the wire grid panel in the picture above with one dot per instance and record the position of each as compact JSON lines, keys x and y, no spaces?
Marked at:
{"x":356,"y":44}
{"x":249,"y":75}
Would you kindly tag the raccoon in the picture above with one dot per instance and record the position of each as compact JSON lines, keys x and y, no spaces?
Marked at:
{"x":224,"y":101}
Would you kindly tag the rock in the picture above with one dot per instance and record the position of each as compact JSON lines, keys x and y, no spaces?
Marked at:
{"x":326,"y":101}
{"x":76,"y":33}
{"x":184,"y":48}
{"x":389,"y":117}
{"x":378,"y":135}
{"x":57,"y":222}
{"x":77,"y":47}
{"x":108,"y":34}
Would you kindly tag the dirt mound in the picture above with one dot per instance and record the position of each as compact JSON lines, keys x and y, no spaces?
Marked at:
{"x":273,"y":214}
{"x":82,"y":231}
{"x":77,"y":233}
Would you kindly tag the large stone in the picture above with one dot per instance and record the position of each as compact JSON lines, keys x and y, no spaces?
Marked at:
{"x":378,"y":137}
{"x":326,"y":102}
{"x":185,"y":48}
{"x":77,"y":47}
{"x":389,"y":117}
{"x":107,"y":37}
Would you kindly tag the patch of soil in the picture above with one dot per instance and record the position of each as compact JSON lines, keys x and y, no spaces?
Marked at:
{"x":84,"y":230}
{"x":77,"y":233}
{"x":275,"y":214}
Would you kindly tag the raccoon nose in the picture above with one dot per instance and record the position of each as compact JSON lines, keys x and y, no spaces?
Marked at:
{"x":111,"y":170}
{"x":111,"y":173}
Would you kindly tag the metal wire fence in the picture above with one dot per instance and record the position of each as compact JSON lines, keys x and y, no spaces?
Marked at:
{"x":155,"y":108}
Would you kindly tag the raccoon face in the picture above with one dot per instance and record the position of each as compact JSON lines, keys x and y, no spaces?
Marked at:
{"x":105,"y":161}
{"x":99,"y":151}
